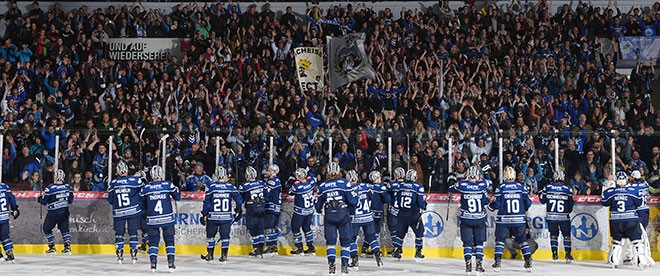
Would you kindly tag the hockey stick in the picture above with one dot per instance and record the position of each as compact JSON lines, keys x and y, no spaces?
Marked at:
{"x":140,"y":164}
{"x":41,"y":193}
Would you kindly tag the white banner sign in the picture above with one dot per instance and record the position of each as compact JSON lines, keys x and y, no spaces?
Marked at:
{"x":147,"y":48}
{"x":309,"y":65}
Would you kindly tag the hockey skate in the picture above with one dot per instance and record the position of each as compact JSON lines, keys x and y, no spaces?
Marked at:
{"x":257,"y":253}
{"x":497,"y":266}
{"x":379,"y":259}
{"x":299,"y":251}
{"x":134,"y":253}
{"x":418,"y":255}
{"x":569,"y":257}
{"x":223,"y":257}
{"x":468,"y":267}
{"x":311,"y":251}
{"x":367,"y":252}
{"x":120,"y":255}
{"x":208,"y":257}
{"x":67,"y":249}
{"x":331,"y":268}
{"x":153,"y":267}
{"x":10,"y":257}
{"x":1,"y":255}
{"x":555,"y":256}
{"x":480,"y":268}
{"x":51,"y":250}
{"x":396,"y":254}
{"x":344,"y":269}
{"x":271,"y":250}
{"x":354,"y":263}
{"x":528,"y":263}
{"x":171,"y":266}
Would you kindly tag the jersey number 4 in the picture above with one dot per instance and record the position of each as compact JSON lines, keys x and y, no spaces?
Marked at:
{"x":159,"y":207}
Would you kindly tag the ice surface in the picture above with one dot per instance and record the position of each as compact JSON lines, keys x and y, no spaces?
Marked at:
{"x":287,"y":265}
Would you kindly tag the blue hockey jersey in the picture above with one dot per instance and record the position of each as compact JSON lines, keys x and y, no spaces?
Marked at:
{"x":361,"y":212}
{"x":252,"y":190}
{"x":410,"y":197}
{"x":274,"y":198}
{"x":511,"y":202}
{"x":335,"y":199}
{"x":303,"y":196}
{"x":217,"y":202}
{"x":393,"y":208}
{"x":623,"y":203}
{"x":7,"y":203}
{"x":124,"y":195}
{"x":558,"y":200}
{"x":157,"y":198}
{"x":380,"y":197}
{"x":57,"y":197}
{"x":193,"y":181}
{"x":642,"y":188}
{"x":474,"y":199}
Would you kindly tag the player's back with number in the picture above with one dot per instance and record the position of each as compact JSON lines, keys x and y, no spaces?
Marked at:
{"x":623,"y":203}
{"x":559,"y":202}
{"x":157,"y":197}
{"x":410,"y":197}
{"x":217,"y":201}
{"x":124,"y":195}
{"x":335,"y":198}
{"x":511,"y":202}
{"x":303,"y":196}
{"x":642,"y":189}
{"x":57,"y":197}
{"x":474,"y":199}
{"x":364,"y":195}
{"x":7,"y":203}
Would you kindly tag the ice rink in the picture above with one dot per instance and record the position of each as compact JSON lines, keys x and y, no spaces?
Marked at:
{"x":286,"y":265}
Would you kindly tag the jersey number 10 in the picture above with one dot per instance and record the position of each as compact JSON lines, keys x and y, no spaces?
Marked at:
{"x":513,"y":206}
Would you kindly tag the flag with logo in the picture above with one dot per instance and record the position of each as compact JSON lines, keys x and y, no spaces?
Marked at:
{"x":347,"y":60}
{"x":309,"y":65}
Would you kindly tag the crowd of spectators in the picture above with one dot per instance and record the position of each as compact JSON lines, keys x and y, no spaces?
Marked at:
{"x":519,"y":71}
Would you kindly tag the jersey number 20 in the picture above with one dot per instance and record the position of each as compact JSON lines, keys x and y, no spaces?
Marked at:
{"x":221,"y":205}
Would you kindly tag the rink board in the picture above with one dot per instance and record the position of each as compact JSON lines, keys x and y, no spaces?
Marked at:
{"x":92,"y":228}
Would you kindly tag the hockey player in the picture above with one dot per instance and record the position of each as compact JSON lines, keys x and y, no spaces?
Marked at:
{"x":558,"y":198}
{"x":157,"y":198}
{"x":410,"y":198}
{"x":198,"y":181}
{"x":57,"y":197}
{"x":511,"y":202}
{"x":124,"y":196}
{"x":253,"y":193}
{"x":362,"y":218}
{"x":217,"y":213}
{"x":474,"y":199}
{"x":335,"y":199}
{"x":143,"y":218}
{"x":303,"y":211}
{"x":8,"y":207}
{"x":624,"y":223}
{"x":393,"y":208}
{"x":379,"y":198}
{"x":642,"y":188}
{"x":273,"y":206}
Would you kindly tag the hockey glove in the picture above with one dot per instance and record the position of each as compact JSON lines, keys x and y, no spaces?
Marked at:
{"x":16,"y":213}
{"x":238,"y":214}
{"x":202,"y":220}
{"x":39,"y":198}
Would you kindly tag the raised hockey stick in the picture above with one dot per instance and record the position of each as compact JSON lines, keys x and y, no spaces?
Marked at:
{"x":140,"y":164}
